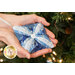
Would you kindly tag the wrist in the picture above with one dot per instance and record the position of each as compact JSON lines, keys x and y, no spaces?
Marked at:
{"x":1,"y":14}
{"x":12,"y":20}
{"x":4,"y":32}
{"x":6,"y":19}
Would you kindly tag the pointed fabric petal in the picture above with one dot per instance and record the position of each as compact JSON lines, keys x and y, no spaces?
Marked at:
{"x":38,"y":47}
{"x":38,"y":29}
{"x":22,"y":30}
{"x":44,"y":40}
{"x":30,"y":27}
{"x":29,"y":44}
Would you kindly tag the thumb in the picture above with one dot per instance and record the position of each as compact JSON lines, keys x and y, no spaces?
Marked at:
{"x":22,"y":53}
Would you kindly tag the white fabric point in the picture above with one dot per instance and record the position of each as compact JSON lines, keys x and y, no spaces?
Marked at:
{"x":33,"y":36}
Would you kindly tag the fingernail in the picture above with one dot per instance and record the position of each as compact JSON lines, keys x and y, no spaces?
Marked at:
{"x":50,"y":50}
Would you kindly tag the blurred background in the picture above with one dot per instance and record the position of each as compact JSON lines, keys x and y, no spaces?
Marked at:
{"x":63,"y":26}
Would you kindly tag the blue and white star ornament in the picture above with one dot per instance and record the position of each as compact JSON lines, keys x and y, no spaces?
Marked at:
{"x":33,"y":37}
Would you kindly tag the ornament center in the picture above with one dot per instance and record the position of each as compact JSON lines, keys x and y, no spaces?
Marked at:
{"x":33,"y":36}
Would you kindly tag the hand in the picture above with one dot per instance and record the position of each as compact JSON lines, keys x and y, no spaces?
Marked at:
{"x":24,"y":19}
{"x":28,"y":19}
{"x":10,"y":39}
{"x":45,"y":51}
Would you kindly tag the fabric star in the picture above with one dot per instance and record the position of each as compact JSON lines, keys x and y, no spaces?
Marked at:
{"x":32,"y":37}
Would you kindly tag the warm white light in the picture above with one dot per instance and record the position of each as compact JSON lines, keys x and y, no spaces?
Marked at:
{"x":53,"y":58}
{"x":1,"y":60}
{"x":1,"y":49}
{"x":54,"y":53}
{"x":69,"y":18}
{"x":60,"y":61}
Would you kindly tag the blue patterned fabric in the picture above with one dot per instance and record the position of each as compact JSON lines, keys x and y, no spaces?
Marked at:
{"x":32,"y":37}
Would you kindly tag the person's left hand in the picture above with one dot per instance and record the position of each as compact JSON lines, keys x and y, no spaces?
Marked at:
{"x":28,"y":19}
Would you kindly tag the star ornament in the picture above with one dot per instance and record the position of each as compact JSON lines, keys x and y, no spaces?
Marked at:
{"x":33,"y":37}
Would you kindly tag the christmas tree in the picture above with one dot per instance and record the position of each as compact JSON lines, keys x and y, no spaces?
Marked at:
{"x":62,"y":25}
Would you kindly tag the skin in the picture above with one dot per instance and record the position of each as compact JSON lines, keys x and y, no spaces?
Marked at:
{"x":7,"y":35}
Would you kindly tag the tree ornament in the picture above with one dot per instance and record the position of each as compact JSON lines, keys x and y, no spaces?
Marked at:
{"x":68,"y":30}
{"x":10,"y":52}
{"x":33,"y":37}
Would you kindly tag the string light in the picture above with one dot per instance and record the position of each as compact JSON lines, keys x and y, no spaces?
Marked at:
{"x":1,"y":49}
{"x":69,"y":18}
{"x":1,"y":60}
{"x":54,"y":53}
{"x":60,"y":60}
{"x":53,"y":58}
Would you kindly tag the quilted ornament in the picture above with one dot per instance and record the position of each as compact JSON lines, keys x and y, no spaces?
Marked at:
{"x":33,"y":37}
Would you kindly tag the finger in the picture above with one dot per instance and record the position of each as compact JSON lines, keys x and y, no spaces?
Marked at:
{"x":49,"y":33}
{"x":54,"y":45}
{"x":23,"y":53}
{"x":40,"y":52}
{"x":21,"y":56}
{"x":55,"y":41}
{"x":19,"y":48}
{"x":42,"y":20}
